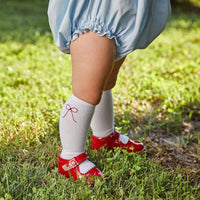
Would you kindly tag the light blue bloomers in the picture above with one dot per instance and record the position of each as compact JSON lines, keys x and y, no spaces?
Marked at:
{"x":133,"y":24}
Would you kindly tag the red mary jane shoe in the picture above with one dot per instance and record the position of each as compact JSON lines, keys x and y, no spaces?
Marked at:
{"x":71,"y":167}
{"x":112,"y":141}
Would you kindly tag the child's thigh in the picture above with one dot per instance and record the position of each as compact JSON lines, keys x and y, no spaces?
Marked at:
{"x":92,"y":61}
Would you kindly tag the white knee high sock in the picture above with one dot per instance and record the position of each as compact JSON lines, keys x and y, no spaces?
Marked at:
{"x":74,"y":124}
{"x":102,"y":123}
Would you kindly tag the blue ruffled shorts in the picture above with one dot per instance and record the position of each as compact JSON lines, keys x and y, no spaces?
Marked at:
{"x":133,"y":24}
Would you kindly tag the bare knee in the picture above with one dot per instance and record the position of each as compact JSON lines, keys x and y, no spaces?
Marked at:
{"x":112,"y":79}
{"x":92,"y":97}
{"x":111,"y":83}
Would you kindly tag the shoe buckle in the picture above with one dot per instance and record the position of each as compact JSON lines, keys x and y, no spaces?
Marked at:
{"x":72,"y":163}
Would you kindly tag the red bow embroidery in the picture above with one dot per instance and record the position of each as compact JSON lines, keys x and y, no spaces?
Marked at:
{"x":72,"y":110}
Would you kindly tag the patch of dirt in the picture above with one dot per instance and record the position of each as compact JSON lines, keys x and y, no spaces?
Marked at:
{"x":177,"y":151}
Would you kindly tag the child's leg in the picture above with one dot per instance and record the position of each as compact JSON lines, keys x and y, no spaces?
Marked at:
{"x":92,"y":60}
{"x":111,"y":82}
{"x":102,"y":123}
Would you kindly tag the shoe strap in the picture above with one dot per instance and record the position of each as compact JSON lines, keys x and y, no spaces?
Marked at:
{"x":116,"y":134}
{"x":74,"y":162}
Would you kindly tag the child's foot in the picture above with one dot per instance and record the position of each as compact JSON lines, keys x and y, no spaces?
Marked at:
{"x":78,"y":167}
{"x":115,"y":140}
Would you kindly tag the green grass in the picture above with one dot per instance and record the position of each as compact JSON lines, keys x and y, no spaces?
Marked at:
{"x":157,"y":94}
